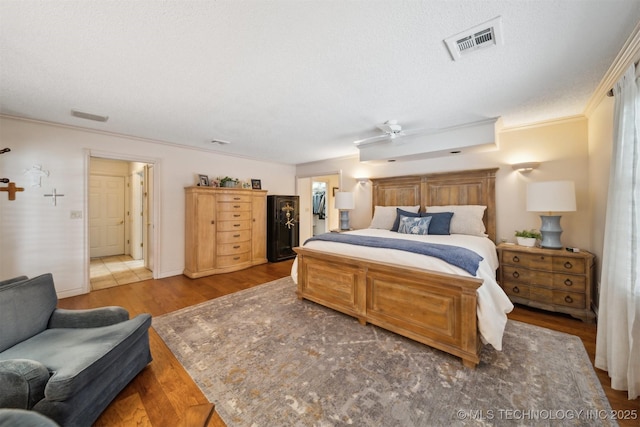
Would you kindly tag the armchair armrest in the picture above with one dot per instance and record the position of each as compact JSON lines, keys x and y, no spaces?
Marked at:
{"x":22,"y":383}
{"x":90,"y":318}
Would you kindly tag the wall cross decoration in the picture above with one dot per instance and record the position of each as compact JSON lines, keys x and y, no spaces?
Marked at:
{"x":12,"y":189}
{"x":54,"y":196}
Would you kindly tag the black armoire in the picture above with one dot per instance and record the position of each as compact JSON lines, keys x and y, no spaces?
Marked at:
{"x":282,"y":227}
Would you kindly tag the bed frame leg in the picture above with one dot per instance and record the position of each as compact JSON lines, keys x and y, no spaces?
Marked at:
{"x":469,"y":364}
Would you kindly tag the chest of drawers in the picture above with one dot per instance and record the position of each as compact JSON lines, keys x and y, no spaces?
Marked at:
{"x":225,"y":230}
{"x":553,"y":280}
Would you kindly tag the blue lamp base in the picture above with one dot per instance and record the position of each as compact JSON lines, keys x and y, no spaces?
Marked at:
{"x":344,"y":220}
{"x":551,"y":231}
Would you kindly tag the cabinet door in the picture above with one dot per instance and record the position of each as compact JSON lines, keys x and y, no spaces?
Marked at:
{"x":259,"y":228}
{"x":206,"y":229}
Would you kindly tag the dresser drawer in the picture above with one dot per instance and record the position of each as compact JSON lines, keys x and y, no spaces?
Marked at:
{"x":233,"y":248}
{"x":516,"y":289}
{"x":569,"y":265}
{"x":234,"y":225}
{"x":230,"y":260}
{"x":234,"y":198}
{"x":569,"y":299}
{"x":526,"y":260}
{"x":233,"y":207}
{"x":233,"y":215}
{"x":515,"y":274}
{"x":569,"y":283}
{"x":233,"y":236}
{"x":543,"y":295}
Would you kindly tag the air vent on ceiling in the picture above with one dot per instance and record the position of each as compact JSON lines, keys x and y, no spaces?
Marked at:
{"x":484,"y":35}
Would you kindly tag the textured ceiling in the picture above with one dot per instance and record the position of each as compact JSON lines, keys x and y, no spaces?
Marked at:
{"x":298,"y":81}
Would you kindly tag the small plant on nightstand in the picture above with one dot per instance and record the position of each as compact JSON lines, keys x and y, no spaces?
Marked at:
{"x":528,"y":237}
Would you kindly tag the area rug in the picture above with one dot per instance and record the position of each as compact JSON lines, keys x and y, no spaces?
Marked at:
{"x":267,"y":359}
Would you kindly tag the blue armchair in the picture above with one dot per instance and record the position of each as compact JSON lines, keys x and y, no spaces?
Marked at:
{"x":65,"y":364}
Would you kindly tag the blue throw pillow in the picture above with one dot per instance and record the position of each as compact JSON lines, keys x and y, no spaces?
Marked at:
{"x":413,"y":225}
{"x":400,"y":212}
{"x":440,"y":222}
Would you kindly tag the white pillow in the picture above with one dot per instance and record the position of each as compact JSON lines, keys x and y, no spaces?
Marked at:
{"x":385,"y":216}
{"x":467,"y":219}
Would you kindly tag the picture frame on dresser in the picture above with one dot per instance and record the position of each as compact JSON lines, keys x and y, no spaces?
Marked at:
{"x":203,"y":180}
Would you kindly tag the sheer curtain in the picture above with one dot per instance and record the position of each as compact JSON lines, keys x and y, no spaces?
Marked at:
{"x":618,"y":339}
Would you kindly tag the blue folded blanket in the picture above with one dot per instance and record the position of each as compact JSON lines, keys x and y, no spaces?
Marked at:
{"x":464,"y":258}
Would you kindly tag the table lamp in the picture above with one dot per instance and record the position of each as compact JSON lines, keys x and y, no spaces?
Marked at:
{"x":551,"y":196}
{"x":344,"y":203}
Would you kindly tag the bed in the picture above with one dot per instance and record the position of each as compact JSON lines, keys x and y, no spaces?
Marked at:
{"x":429,"y":301}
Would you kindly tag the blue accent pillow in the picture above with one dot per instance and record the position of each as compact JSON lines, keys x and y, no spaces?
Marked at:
{"x":399,"y":213}
{"x":440,"y":222}
{"x":413,"y":225}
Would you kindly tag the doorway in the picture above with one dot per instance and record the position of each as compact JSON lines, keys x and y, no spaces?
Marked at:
{"x":317,"y":212}
{"x":119,"y":212}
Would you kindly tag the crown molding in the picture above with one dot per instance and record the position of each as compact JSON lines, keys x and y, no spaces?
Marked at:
{"x":629,"y":54}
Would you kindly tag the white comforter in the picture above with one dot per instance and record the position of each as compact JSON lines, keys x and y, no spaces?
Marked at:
{"x":493,"y":303}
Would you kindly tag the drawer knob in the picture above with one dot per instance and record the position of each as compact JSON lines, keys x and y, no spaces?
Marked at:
{"x":236,"y":247}
{"x":213,"y":222}
{"x":516,"y":290}
{"x":516,"y":274}
{"x":236,"y":198}
{"x":568,"y":299}
{"x":236,"y":235}
{"x":236,"y":206}
{"x":236,"y":215}
{"x":236,"y":258}
{"x":568,"y":282}
{"x":236,"y":225}
{"x":568,"y":265}
{"x":516,"y":259}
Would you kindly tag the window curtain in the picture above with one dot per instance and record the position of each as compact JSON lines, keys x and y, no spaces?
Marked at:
{"x":618,"y":338}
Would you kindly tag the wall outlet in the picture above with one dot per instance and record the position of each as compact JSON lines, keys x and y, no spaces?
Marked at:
{"x":76,"y":215}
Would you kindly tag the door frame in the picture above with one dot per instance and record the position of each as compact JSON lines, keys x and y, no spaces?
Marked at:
{"x":154,"y":237}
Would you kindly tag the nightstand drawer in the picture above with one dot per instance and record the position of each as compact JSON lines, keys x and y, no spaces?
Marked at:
{"x":527,"y":260}
{"x":541,"y":295}
{"x":566,"y":264}
{"x":569,"y":299}
{"x":517,"y":274}
{"x":516,"y":290}
{"x":569,"y":283}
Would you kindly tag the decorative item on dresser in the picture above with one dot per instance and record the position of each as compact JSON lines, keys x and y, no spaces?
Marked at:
{"x":225,"y":230}
{"x":282,"y":227}
{"x":548,"y":279}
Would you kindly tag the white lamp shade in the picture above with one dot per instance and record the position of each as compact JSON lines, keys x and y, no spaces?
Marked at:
{"x":344,"y":200}
{"x":551,"y":196}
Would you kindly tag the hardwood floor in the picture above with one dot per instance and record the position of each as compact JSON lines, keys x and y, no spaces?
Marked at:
{"x":164,"y":394}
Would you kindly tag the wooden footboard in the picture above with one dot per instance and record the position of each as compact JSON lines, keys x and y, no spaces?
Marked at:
{"x":436,"y":309}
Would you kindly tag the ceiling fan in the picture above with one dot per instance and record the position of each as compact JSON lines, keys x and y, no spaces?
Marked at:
{"x":392,"y":130}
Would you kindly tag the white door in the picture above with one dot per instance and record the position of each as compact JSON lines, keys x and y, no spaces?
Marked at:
{"x":106,"y":215}
{"x":148,"y":217}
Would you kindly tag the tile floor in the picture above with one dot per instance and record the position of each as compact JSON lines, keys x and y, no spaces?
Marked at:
{"x":116,"y":270}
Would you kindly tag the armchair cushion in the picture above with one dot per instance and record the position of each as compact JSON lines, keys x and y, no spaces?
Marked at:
{"x":77,"y":357}
{"x":22,"y":383}
{"x":90,"y":318}
{"x":25,"y":309}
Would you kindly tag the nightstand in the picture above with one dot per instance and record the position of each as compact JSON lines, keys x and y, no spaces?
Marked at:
{"x":554,"y":280}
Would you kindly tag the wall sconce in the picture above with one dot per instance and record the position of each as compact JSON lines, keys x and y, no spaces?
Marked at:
{"x":362,"y":181}
{"x":525,"y":167}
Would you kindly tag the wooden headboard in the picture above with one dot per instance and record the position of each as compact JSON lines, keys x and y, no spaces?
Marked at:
{"x":473,"y":187}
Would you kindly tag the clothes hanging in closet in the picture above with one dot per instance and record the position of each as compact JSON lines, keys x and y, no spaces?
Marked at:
{"x":319,"y":204}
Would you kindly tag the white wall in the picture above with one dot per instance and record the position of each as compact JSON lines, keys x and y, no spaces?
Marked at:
{"x":37,"y":237}
{"x":561,"y":147}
